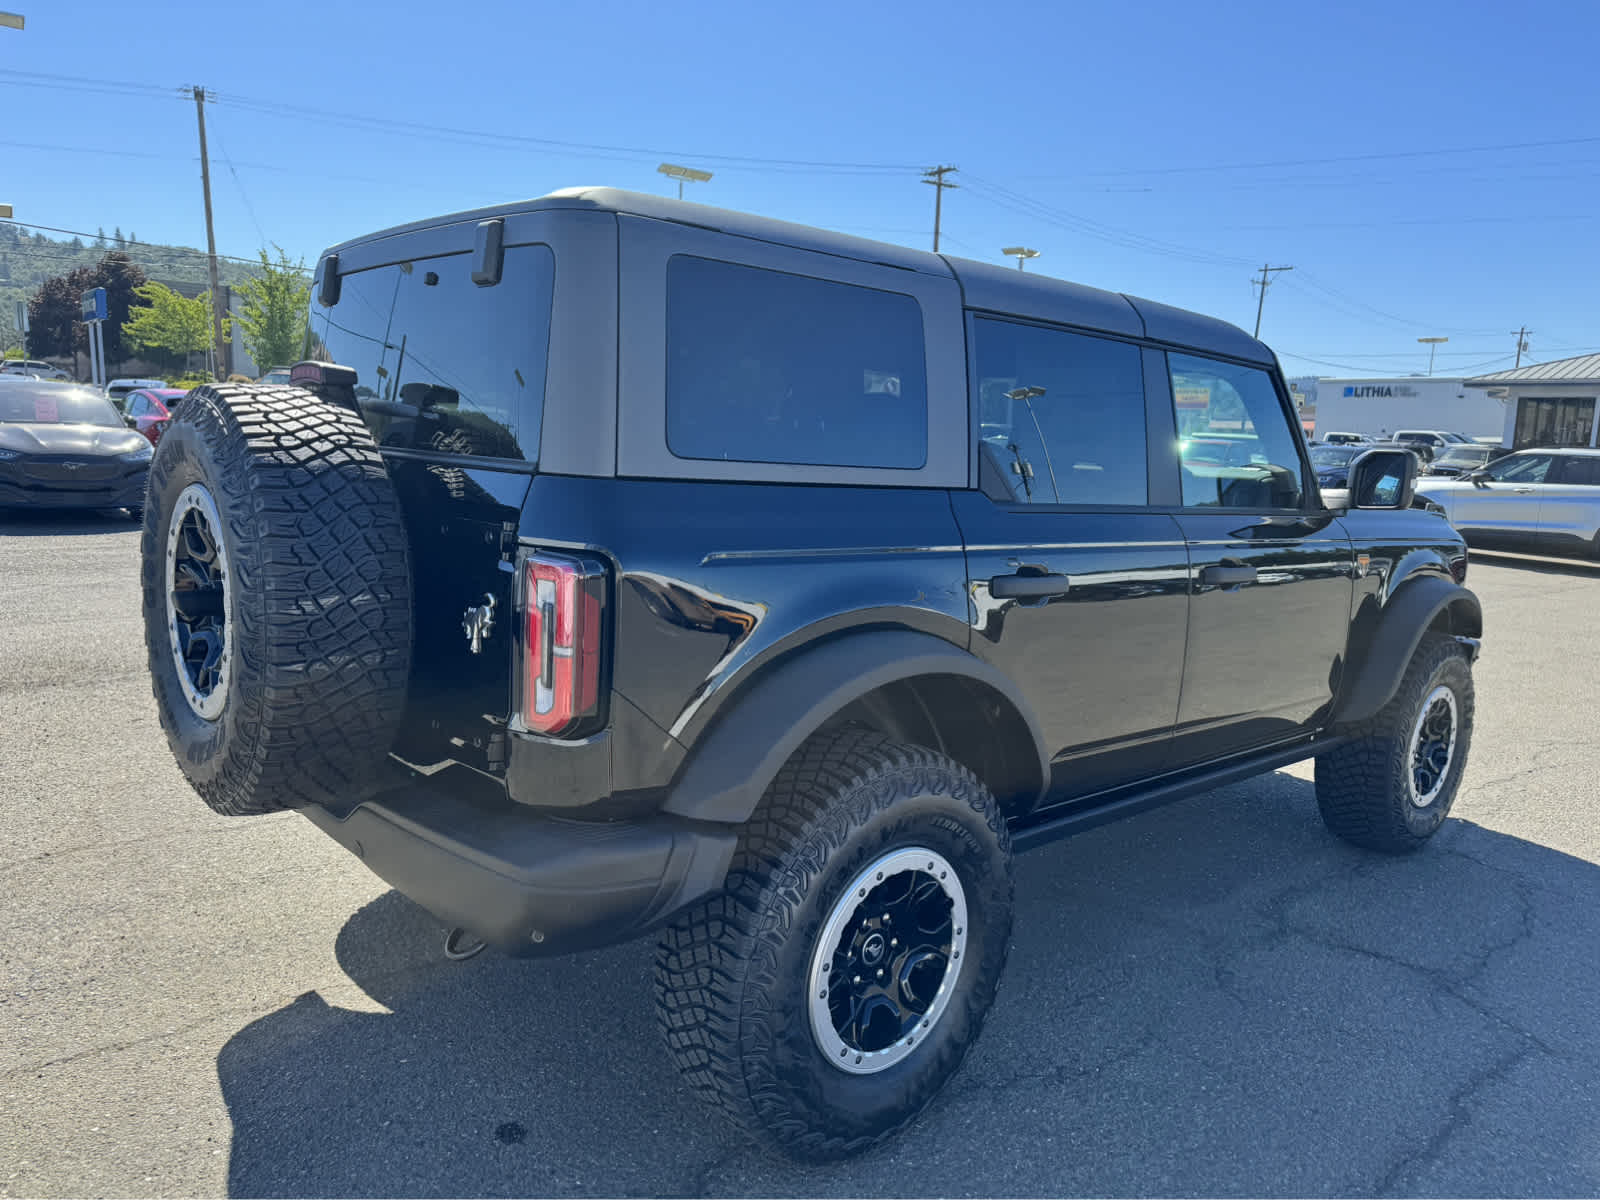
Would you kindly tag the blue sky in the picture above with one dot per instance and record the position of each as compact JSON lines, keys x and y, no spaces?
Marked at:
{"x":1428,"y":168}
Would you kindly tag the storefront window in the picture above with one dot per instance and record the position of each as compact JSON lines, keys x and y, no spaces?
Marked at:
{"x":1541,"y":421}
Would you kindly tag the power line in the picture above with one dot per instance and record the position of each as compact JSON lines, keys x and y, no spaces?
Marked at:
{"x":1016,"y":202}
{"x":1310,"y":278}
{"x":238,"y":183}
{"x":1337,"y":158}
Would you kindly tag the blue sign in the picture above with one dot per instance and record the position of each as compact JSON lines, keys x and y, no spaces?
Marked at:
{"x":94,"y":304}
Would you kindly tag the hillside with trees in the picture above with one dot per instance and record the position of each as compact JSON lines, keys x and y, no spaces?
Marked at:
{"x":28,"y":259}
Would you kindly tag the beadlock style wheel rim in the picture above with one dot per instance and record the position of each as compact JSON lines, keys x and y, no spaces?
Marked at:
{"x":887,"y":960}
{"x":1433,"y":746}
{"x":197,"y":601}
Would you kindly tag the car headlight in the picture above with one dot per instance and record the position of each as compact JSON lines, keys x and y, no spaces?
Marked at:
{"x":143,"y":454}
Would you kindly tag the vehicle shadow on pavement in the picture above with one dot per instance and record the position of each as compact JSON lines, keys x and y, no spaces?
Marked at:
{"x":1586,"y":568}
{"x":28,"y":523}
{"x":1215,"y":998}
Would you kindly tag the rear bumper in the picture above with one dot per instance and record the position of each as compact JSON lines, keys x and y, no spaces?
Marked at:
{"x":527,"y":883}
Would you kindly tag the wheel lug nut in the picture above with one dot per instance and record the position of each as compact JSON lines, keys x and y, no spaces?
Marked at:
{"x":858,"y":979}
{"x":894,"y":941}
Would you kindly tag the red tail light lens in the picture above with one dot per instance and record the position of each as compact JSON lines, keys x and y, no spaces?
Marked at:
{"x":564,"y":603}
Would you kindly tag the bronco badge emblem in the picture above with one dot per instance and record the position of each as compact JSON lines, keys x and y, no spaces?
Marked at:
{"x":478,"y":623}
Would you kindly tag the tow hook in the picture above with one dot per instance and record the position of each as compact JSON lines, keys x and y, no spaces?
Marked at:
{"x":459,"y":945}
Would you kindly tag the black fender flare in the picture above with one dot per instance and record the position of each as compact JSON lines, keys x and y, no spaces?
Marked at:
{"x":1401,"y":623}
{"x":729,"y":769}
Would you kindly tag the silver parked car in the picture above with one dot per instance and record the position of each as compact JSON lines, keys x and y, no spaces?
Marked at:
{"x":1531,"y":499}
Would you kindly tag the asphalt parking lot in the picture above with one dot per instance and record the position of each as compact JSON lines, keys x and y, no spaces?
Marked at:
{"x":1213,"y":998}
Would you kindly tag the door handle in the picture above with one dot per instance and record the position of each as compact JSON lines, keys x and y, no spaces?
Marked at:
{"x":1028,"y":587}
{"x":1220,"y":576}
{"x":1523,"y":491}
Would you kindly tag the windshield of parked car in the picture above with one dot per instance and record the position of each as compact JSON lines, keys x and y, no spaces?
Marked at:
{"x":52,"y":405}
{"x":1464,"y":456}
{"x":1332,"y":456}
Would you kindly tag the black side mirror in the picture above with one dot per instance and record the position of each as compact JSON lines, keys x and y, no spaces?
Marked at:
{"x":1481,"y":475}
{"x":1383,"y":479}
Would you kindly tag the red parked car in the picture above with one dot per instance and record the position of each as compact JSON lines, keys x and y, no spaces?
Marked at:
{"x":149,"y":409}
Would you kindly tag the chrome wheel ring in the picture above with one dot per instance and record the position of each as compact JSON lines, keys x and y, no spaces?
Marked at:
{"x":1433,"y":746}
{"x":887,"y":960}
{"x":198,"y":628}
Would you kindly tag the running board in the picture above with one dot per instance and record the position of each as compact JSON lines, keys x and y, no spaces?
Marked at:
{"x":1047,"y":827}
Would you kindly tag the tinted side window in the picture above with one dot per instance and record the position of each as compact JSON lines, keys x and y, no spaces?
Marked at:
{"x":1584,"y":471}
{"x":136,"y":405}
{"x":1062,"y":414}
{"x":1522,"y":468}
{"x":767,"y":367}
{"x":1235,"y":442}
{"x":442,"y":364}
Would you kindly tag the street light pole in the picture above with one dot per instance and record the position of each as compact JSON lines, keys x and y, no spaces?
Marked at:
{"x":1020,"y":253}
{"x":1432,"y":343}
{"x":673,"y":171}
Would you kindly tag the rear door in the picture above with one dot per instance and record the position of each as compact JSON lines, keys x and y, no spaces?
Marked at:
{"x":1077,"y":582}
{"x":1569,"y":502}
{"x":450,"y":379}
{"x":1271,"y":573}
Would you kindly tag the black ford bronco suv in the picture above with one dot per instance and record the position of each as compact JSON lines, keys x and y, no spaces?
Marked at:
{"x":615,"y":565}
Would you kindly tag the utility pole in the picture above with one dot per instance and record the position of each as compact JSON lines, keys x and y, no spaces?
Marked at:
{"x":934,"y":177}
{"x":211,"y":240}
{"x":1263,"y":283}
{"x":1522,"y":344}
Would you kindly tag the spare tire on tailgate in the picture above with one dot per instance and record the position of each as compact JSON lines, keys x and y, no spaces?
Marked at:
{"x":277,"y":598}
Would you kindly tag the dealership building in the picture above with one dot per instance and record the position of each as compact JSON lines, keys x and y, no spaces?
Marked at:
{"x":1382,"y":406}
{"x":1547,"y":404}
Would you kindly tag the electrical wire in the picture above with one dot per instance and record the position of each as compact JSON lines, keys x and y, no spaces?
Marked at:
{"x":1392,"y":155}
{"x":1015,"y":201}
{"x":239,"y":184}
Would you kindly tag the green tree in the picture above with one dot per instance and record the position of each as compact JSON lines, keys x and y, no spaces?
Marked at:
{"x":169,"y":322}
{"x":272,"y":319}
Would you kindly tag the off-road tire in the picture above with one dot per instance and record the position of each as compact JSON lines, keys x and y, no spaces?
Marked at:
{"x":1362,"y":785}
{"x":317,"y":598}
{"x":731,"y":975}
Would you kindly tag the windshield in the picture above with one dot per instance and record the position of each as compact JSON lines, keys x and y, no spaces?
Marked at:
{"x":1465,"y":455}
{"x":22,"y":405}
{"x":1331,"y":456}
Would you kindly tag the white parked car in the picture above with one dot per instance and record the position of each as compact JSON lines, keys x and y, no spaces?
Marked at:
{"x":1533,"y":499}
{"x":37,"y":368}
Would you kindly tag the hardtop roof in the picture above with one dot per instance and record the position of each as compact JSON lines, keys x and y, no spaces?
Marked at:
{"x":985,"y":286}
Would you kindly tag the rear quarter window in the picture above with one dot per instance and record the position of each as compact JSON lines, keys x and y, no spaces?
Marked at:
{"x":769,"y":367}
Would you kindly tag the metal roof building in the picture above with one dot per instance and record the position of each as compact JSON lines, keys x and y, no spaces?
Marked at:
{"x":1548,"y":404}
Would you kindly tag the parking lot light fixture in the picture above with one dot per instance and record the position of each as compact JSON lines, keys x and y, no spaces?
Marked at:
{"x":10,"y":20}
{"x":1432,"y":343}
{"x":673,"y":171}
{"x":1021,"y":253}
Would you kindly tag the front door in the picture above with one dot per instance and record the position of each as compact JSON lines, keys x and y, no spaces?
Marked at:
{"x":1505,"y":503}
{"x":1271,"y":573}
{"x":1077,"y":587}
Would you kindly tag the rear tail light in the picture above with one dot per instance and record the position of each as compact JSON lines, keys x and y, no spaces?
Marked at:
{"x":564,"y":602}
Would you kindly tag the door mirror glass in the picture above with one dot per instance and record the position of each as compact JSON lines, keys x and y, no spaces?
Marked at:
{"x":1383,"y":479}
